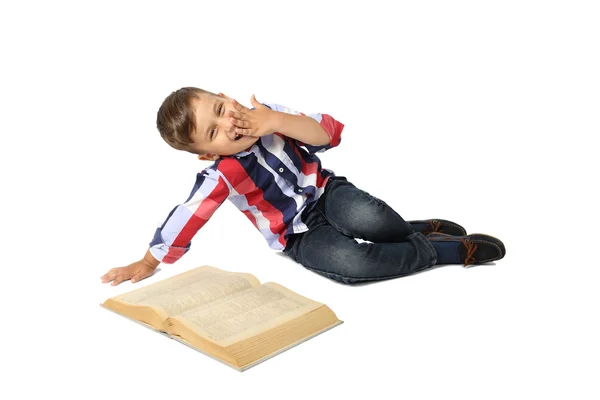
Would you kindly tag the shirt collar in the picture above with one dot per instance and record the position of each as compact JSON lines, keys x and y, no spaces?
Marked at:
{"x":243,"y":153}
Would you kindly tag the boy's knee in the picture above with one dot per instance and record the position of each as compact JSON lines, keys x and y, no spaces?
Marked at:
{"x":344,"y":264}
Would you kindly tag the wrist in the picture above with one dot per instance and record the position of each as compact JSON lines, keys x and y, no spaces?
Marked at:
{"x":150,"y":261}
{"x":277,"y":121}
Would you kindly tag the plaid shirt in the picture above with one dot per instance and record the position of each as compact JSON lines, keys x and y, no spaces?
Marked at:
{"x":272,"y":182}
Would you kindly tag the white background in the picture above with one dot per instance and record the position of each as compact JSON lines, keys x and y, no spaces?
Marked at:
{"x":483,"y":113}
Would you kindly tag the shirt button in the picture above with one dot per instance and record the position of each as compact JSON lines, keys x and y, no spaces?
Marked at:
{"x":299,"y":190}
{"x":280,"y":169}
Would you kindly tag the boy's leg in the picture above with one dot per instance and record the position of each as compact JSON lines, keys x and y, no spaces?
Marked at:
{"x":327,"y":251}
{"x":358,"y":214}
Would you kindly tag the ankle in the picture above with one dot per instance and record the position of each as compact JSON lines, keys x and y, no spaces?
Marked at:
{"x":447,"y":252}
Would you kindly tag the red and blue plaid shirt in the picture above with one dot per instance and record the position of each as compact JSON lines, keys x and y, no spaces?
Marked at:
{"x":272,"y":182}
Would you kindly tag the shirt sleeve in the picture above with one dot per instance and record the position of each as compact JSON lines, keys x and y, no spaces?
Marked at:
{"x":173,"y":238}
{"x":332,"y":127}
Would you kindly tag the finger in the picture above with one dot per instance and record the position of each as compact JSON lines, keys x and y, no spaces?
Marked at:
{"x":233,"y":114}
{"x":224,"y":96}
{"x":109,"y":276}
{"x":240,"y":123}
{"x":118,"y":280}
{"x":109,"y":271}
{"x":254,"y":102}
{"x":247,"y":132}
{"x":238,"y":106}
{"x":139,"y":276}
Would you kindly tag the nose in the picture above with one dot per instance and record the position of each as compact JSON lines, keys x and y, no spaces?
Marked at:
{"x":230,"y":129}
{"x":227,"y":126}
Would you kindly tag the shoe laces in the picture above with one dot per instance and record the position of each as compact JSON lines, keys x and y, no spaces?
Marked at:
{"x":434,"y":226}
{"x":471,"y":248}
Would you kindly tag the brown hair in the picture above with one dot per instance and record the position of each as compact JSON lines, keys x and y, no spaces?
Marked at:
{"x":176,"y":120}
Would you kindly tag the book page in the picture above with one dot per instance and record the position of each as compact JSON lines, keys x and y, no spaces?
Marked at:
{"x":246,"y":314}
{"x":197,"y":287}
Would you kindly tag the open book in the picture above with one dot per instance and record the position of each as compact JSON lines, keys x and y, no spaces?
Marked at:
{"x":229,"y":316}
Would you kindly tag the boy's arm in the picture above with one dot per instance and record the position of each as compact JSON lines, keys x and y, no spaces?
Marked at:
{"x":316,"y":132}
{"x":173,"y":238}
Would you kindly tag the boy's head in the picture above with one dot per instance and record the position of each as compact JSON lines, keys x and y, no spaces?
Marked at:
{"x":197,"y":121}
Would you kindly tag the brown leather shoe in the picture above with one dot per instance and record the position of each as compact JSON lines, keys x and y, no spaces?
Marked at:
{"x":428,"y":226}
{"x":473,"y":249}
{"x":497,"y":242}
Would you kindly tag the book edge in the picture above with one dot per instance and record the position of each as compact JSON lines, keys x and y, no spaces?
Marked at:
{"x":136,"y":321}
{"x":176,"y":338}
{"x":265,"y":358}
{"x":241,"y":369}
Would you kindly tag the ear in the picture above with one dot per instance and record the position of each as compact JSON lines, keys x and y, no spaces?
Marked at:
{"x":208,"y":157}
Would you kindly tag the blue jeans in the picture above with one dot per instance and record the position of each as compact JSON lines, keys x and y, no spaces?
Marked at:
{"x":344,"y":212}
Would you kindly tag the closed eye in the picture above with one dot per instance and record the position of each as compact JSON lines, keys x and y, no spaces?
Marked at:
{"x":220,"y":111}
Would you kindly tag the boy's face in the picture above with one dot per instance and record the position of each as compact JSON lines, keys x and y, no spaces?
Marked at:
{"x":215,"y":133}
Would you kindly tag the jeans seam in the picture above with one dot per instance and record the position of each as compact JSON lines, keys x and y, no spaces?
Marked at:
{"x":339,"y":229}
{"x":421,"y":238}
{"x":417,"y":236}
{"x":322,"y":212}
{"x":291,"y":253}
{"x":349,"y":278}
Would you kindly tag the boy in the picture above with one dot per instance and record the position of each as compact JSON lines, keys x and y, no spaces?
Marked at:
{"x":265,"y":164}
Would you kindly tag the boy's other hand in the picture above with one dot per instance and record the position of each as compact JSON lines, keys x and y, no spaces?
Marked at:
{"x":135,"y":271}
{"x":261,"y":121}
